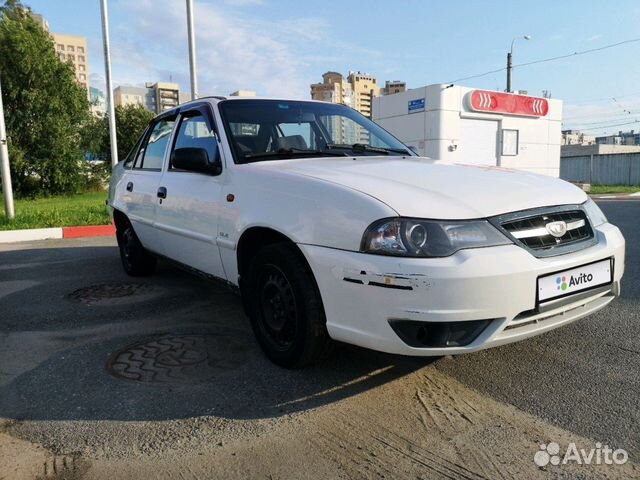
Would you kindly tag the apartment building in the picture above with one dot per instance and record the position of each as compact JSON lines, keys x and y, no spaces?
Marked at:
{"x":74,"y":48}
{"x":620,"y":138}
{"x":576,"y":137}
{"x":355,"y":91}
{"x":155,"y":97}
{"x":394,"y":86}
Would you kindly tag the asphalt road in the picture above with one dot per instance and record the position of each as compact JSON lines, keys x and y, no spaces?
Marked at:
{"x":104,"y":376}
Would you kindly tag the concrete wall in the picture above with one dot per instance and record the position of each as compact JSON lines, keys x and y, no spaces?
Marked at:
{"x":619,"y":169}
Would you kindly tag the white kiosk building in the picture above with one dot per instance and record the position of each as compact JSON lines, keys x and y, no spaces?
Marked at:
{"x":457,"y":124}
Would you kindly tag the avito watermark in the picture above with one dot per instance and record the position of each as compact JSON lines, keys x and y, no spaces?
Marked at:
{"x":550,"y":453}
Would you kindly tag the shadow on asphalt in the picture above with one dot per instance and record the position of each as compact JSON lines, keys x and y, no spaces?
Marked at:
{"x":165,"y":347}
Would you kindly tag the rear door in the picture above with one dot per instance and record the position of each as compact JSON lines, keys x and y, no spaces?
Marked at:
{"x":188,"y":216}
{"x":143,"y":179}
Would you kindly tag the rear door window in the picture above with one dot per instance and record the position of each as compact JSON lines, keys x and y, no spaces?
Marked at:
{"x":151,"y":155}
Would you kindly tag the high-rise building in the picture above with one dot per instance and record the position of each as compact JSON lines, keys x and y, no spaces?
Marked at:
{"x":391,"y":87}
{"x":355,"y":91}
{"x":74,"y":48}
{"x":69,"y":48}
{"x":155,"y":97}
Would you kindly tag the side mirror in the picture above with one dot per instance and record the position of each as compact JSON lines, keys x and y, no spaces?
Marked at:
{"x":195,"y":160}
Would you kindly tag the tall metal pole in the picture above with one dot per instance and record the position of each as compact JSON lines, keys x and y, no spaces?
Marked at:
{"x":7,"y":188}
{"x":192,"y":50}
{"x":107,"y":71}
{"x":509,"y":67}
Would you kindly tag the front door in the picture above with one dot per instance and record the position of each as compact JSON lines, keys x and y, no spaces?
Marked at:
{"x":187,"y":218}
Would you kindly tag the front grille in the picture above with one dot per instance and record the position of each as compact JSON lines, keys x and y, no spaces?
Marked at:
{"x":530,"y":229}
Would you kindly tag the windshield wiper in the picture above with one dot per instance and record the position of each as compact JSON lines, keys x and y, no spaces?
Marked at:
{"x":288,"y":152}
{"x":363,"y":147}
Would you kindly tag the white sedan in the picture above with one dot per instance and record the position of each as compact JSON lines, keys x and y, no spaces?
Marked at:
{"x":331,"y":228}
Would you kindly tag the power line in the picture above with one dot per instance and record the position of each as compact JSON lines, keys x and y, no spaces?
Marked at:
{"x":550,"y":59}
{"x":611,"y":126}
{"x":601,"y":122}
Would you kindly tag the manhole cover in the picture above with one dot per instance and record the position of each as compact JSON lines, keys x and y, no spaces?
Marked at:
{"x":113,"y":293}
{"x":178,"y":359}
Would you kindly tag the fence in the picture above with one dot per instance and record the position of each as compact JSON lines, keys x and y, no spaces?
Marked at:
{"x":612,"y":169}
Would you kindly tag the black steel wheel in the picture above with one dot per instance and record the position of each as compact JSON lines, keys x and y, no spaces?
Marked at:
{"x":285,"y":307}
{"x":136,"y":260}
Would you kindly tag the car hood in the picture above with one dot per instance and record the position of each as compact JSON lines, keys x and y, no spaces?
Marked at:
{"x":424,"y":188}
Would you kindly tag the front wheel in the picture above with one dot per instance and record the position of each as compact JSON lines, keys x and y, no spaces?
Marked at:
{"x":136,"y":260}
{"x":285,"y":307}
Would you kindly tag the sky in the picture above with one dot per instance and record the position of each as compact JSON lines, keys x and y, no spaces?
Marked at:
{"x":279,"y":47}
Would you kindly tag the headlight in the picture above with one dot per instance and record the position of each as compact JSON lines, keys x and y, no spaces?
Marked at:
{"x":429,"y":238}
{"x":596,"y":217}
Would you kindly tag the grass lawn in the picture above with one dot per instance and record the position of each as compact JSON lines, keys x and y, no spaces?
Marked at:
{"x":83,"y":209}
{"x":601,"y":189}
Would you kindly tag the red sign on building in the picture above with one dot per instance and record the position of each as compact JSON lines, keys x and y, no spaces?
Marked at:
{"x":508,"y":103}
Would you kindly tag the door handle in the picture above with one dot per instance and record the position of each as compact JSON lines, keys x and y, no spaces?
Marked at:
{"x":162,"y":192}
{"x":130,"y":187}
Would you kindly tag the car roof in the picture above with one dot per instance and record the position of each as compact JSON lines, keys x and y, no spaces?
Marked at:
{"x":214,"y":99}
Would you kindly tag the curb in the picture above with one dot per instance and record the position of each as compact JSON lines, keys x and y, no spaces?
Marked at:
{"x":12,"y":236}
{"x":626,"y":196}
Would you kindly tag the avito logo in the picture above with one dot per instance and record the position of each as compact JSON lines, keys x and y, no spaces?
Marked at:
{"x":581,"y":279}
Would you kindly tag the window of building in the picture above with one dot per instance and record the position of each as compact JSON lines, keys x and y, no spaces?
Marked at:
{"x":80,"y":49}
{"x":70,"y":48}
{"x":83,"y":76}
{"x":62,"y":56}
{"x":71,"y":57}
{"x":82,"y":68}
{"x":510,"y":142}
{"x":81,"y":58}
{"x":60,"y":47}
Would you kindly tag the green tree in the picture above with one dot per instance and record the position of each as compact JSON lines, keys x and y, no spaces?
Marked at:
{"x":131,"y":120}
{"x":45,"y":107}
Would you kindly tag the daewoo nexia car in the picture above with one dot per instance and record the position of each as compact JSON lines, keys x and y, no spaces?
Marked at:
{"x":330,"y":228}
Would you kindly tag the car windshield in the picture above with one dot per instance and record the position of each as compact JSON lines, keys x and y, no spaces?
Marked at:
{"x":273,"y":130}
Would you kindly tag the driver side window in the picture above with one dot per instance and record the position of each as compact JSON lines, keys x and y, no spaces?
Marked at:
{"x":194,"y":132}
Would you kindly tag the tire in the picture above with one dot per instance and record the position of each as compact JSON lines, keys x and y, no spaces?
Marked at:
{"x":136,"y":260}
{"x":285,"y":307}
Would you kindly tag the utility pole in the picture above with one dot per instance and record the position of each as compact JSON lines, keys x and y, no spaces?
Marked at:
{"x":510,"y":62}
{"x":509,"y":67}
{"x":107,"y":71}
{"x":7,"y":188}
{"x":192,"y":50}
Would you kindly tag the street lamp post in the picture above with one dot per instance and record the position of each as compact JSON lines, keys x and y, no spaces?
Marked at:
{"x":107,"y":70}
{"x":7,"y":188}
{"x":509,"y":61}
{"x":192,"y":50}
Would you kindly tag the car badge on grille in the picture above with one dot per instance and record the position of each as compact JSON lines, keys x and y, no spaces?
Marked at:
{"x":557,"y":229}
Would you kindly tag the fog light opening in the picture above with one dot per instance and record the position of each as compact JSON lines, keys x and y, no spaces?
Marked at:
{"x":438,"y":334}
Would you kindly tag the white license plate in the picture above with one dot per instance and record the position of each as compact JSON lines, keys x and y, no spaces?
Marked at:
{"x":574,"y":280}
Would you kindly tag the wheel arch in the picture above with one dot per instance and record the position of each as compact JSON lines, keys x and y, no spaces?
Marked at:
{"x":251,"y":241}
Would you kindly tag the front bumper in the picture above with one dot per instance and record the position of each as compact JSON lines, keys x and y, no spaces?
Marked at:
{"x":361,"y":293}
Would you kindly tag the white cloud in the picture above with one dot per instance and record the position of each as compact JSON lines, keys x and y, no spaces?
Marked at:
{"x":233,"y":52}
{"x":243,"y":3}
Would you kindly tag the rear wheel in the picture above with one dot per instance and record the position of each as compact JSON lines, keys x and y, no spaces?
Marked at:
{"x":285,"y":307}
{"x":136,"y":260}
